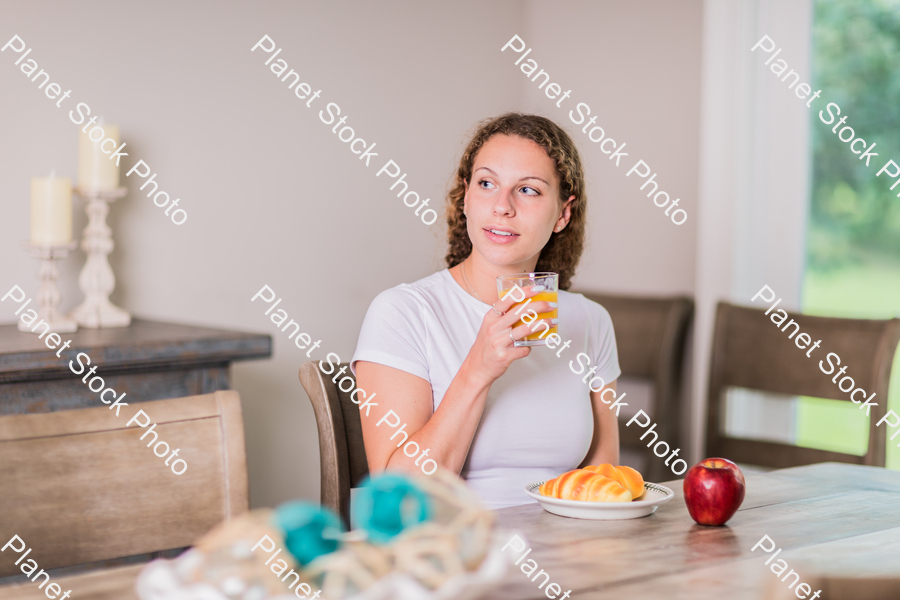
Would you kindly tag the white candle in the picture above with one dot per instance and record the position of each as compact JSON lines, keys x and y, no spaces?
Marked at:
{"x":95,"y":170}
{"x":51,"y":211}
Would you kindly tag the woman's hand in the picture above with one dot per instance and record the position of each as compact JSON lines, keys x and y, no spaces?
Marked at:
{"x":493,"y":350}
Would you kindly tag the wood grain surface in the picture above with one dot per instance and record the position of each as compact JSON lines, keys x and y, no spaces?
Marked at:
{"x":149,"y":360}
{"x":79,"y":487}
{"x":146,"y":343}
{"x":816,"y":513}
{"x":832,"y":521}
{"x":749,"y":353}
{"x":141,"y":385}
{"x":342,"y":454}
{"x":109,"y":584}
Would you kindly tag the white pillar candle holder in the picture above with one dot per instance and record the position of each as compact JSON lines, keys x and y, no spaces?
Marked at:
{"x":97,"y":280}
{"x":49,"y":298}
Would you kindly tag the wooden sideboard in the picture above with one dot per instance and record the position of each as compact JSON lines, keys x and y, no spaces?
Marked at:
{"x":150,"y":360}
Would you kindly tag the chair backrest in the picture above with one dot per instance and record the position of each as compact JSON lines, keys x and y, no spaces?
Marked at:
{"x":750,"y":351}
{"x":79,"y":487}
{"x":650,"y":339}
{"x":342,"y":454}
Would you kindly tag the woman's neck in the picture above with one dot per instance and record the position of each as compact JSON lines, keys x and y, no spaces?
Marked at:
{"x":479,"y":276}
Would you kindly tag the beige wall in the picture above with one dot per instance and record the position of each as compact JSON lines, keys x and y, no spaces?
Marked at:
{"x":637,"y":65}
{"x":274,"y":198}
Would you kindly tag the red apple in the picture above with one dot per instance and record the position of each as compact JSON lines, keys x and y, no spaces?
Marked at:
{"x":713,"y":491}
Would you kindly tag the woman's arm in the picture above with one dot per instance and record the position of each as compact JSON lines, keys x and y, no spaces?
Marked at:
{"x":446,"y":433}
{"x":605,"y":443}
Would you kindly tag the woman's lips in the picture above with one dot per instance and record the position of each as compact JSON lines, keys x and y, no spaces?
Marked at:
{"x":500,"y":238}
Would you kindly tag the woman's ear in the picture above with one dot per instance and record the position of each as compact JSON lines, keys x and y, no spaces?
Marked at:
{"x":566,"y":214}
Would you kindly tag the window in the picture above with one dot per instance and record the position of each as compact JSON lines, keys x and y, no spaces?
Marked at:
{"x":853,"y":236}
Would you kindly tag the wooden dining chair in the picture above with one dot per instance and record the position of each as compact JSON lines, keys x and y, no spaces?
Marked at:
{"x":750,"y":351}
{"x":650,"y":338}
{"x":342,"y":454}
{"x":79,"y":487}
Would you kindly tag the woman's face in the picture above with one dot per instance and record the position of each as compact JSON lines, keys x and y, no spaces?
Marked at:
{"x":512,"y":202}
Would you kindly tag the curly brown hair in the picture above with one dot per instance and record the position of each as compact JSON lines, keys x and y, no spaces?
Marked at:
{"x":563,"y":250}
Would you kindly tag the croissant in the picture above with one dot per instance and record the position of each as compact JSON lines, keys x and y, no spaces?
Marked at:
{"x":630,"y":479}
{"x":585,"y":485}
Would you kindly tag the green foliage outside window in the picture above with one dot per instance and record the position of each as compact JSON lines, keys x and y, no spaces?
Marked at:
{"x":856,"y":64}
{"x":853,"y":236}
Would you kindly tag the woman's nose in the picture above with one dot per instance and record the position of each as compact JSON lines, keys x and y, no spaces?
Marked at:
{"x":504,"y":204}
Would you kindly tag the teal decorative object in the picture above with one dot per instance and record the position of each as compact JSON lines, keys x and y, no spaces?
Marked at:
{"x":388,"y":504}
{"x":309,"y":530}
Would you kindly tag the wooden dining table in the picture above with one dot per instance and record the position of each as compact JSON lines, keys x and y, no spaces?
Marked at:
{"x":829,"y":519}
{"x":833,"y":519}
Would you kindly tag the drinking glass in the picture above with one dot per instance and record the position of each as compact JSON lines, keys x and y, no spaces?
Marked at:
{"x":519,"y":284}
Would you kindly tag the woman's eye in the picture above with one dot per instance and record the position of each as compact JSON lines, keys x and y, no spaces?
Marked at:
{"x":530,"y":191}
{"x":485,"y":185}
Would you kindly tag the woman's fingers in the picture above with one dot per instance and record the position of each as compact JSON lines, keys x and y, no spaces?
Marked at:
{"x":522,"y":331}
{"x":504,"y":339}
{"x":502,"y":327}
{"x":510,"y":318}
{"x":512,"y":298}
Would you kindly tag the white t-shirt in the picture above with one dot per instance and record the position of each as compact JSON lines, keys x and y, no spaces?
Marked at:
{"x":537,"y":422}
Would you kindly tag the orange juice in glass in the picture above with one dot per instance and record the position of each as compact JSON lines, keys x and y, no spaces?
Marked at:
{"x":516,"y":286}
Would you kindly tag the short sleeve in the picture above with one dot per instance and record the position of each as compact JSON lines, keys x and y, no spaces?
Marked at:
{"x":394,"y":333}
{"x":603,"y":342}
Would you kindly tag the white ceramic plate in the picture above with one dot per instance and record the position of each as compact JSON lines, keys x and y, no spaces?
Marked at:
{"x":654,"y":495}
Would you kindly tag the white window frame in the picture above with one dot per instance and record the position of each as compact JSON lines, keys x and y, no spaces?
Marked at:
{"x":754,"y":175}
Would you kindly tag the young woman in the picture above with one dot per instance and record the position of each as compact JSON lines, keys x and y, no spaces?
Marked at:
{"x":439,"y":352}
